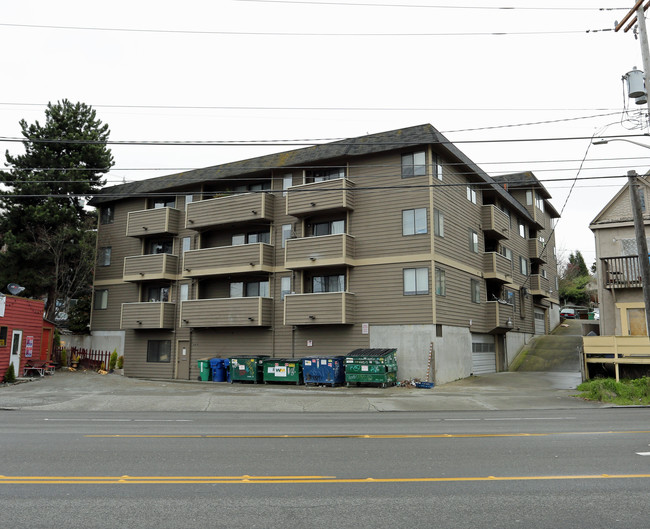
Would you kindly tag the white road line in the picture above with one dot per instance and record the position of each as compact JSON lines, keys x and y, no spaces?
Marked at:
{"x":643,"y":453}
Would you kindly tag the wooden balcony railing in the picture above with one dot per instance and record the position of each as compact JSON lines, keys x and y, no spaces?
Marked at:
{"x":622,"y":272}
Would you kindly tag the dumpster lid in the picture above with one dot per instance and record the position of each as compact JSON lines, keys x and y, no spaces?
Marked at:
{"x":370,"y":352}
{"x":287,"y":360}
{"x":249,"y":356}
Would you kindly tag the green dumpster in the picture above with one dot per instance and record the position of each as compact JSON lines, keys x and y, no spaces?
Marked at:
{"x":371,"y":366}
{"x":282,"y":370}
{"x":204,"y":369}
{"x":246,"y":368}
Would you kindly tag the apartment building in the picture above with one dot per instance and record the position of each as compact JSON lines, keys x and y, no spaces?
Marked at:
{"x":394,"y":239}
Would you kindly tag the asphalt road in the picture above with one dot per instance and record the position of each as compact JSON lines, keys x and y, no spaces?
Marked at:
{"x":515,"y":468}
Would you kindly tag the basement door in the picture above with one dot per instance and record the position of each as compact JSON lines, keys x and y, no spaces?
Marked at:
{"x":14,"y":357}
{"x":183,"y":360}
{"x":540,"y":321}
{"x":484,"y":355}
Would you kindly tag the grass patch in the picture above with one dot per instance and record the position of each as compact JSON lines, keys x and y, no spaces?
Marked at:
{"x":626,"y":392}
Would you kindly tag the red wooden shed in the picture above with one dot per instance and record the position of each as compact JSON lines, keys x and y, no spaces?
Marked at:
{"x":25,"y":337}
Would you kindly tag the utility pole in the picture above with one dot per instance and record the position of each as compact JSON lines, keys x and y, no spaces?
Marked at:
{"x":637,"y":15}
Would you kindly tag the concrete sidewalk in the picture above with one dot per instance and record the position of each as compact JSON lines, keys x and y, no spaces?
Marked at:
{"x":90,"y":391}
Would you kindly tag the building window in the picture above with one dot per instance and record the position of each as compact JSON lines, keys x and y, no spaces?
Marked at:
{"x":472,"y":195}
{"x":473,"y":241}
{"x":251,"y":238}
{"x":285,"y":286}
{"x":253,"y":188}
{"x":186,"y":244}
{"x":321,"y":175}
{"x":523,"y":265}
{"x":522,"y":229}
{"x":158,"y":246}
{"x":438,"y":223}
{"x":328,"y":228}
{"x":416,"y":281}
{"x":529,"y":198}
{"x":101,"y":299}
{"x":414,"y":164}
{"x":543,"y":273}
{"x":475,"y":287}
{"x":184,"y":292}
{"x":104,"y":256}
{"x":107,"y":215}
{"x":438,"y":169}
{"x":250,"y":289}
{"x":159,"y":350}
{"x":441,"y":282}
{"x":164,"y":202}
{"x":287,"y":182}
{"x":286,"y":233}
{"x":539,"y":202}
{"x":414,"y":221}
{"x":506,"y":252}
{"x":333,"y":283}
{"x":510,"y":298}
{"x":157,"y":294}
{"x":188,"y":200}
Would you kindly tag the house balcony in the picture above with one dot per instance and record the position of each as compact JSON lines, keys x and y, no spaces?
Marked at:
{"x":145,"y":315}
{"x":622,"y":272}
{"x":227,"y":312}
{"x":496,"y":267}
{"x":323,"y":250}
{"x":161,"y":266}
{"x":159,"y":221}
{"x":500,"y":317}
{"x":537,"y":251}
{"x":495,"y":223}
{"x":330,"y":195}
{"x":323,"y":308}
{"x":226,"y":260}
{"x":540,"y":286}
{"x":227,"y":210}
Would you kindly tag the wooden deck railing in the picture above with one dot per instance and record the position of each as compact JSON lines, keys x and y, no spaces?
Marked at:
{"x":622,"y":272}
{"x":615,"y":350}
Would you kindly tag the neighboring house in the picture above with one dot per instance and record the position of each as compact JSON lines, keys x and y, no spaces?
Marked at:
{"x":620,"y":294}
{"x":25,"y":337}
{"x":394,"y":239}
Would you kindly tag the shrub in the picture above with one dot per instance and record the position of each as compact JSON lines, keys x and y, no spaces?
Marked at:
{"x":10,"y":375}
{"x":120,"y":362}
{"x":113,"y":360}
{"x":64,"y":357}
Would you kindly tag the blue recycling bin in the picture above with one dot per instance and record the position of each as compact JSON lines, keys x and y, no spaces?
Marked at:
{"x":327,"y":370}
{"x":218,"y":368}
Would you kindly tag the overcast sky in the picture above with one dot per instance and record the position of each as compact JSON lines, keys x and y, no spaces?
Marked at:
{"x":286,"y":70}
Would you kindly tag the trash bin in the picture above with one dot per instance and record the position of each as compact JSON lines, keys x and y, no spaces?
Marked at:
{"x":204,"y":370}
{"x":371,"y":366}
{"x":282,"y":370}
{"x":327,"y":370}
{"x":218,"y":369}
{"x":246,"y":368}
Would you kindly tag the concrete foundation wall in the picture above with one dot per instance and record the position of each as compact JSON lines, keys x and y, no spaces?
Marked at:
{"x":97,"y":340}
{"x":514,"y":343}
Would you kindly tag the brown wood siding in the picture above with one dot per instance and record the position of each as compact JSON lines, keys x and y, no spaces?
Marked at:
{"x":150,"y":267}
{"x":495,"y":222}
{"x":457,"y":308}
{"x":319,"y":309}
{"x":226,"y":312}
{"x":243,"y":258}
{"x":248,"y":207}
{"x":148,"y":315}
{"x":158,"y":221}
{"x":325,"y":250}
{"x":109,"y":319}
{"x":135,"y":355}
{"x":317,"y":197}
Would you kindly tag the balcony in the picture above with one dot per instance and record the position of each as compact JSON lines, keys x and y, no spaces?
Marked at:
{"x":535,"y":249}
{"x":500,"y":317}
{"x":496,"y":224}
{"x":150,"y":267}
{"x":233,"y":209}
{"x":540,"y":286}
{"x":622,"y":272}
{"x":160,"y":221}
{"x":331,"y":195}
{"x":227,"y":312}
{"x":228,"y":260}
{"x":497,"y":267}
{"x":324,"y":250}
{"x":147,"y":315}
{"x":323,"y":308}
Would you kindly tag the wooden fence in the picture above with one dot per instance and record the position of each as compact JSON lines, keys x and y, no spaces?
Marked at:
{"x":616,"y":350}
{"x":88,"y":358}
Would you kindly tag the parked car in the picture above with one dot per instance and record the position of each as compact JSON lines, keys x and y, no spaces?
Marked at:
{"x":568,"y":314}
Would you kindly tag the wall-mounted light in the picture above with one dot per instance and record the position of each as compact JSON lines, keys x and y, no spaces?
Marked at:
{"x":142,"y":274}
{"x":188,"y":269}
{"x":509,"y":323}
{"x":252,"y":264}
{"x":254,"y":212}
{"x":186,"y":321}
{"x":312,"y":317}
{"x":145,"y":228}
{"x":312,"y":204}
{"x":312,"y":258}
{"x":139,"y":322}
{"x":190,"y":221}
{"x":251,"y":319}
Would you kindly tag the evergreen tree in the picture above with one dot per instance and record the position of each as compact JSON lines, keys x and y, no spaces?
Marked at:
{"x":45,"y":232}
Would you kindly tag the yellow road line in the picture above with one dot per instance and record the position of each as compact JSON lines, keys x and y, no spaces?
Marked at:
{"x":180,"y":480}
{"x":357,"y":436}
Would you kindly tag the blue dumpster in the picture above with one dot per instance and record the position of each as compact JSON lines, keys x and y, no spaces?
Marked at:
{"x":327,"y":370}
{"x":218,"y":368}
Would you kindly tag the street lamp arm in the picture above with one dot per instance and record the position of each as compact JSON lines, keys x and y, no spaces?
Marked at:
{"x":603,"y":142}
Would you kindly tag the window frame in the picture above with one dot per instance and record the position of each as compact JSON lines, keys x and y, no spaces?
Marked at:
{"x":104,"y":256}
{"x":100,"y":301}
{"x":473,"y":241}
{"x":523,"y":265}
{"x":475,"y":290}
{"x":327,"y":281}
{"x":441,"y":282}
{"x":287,"y":231}
{"x":411,"y":218}
{"x":438,"y":222}
{"x":107,"y":214}
{"x":411,"y":167}
{"x":159,"y":351}
{"x":414,"y":276}
{"x":472,"y":194}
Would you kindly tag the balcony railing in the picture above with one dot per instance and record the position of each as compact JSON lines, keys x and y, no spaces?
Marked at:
{"x":622,"y":272}
{"x":539,"y":285}
{"x":159,"y":221}
{"x":323,"y":308}
{"x":324,"y":250}
{"x":496,"y":266}
{"x":150,"y":267}
{"x":496,"y":224}
{"x":616,"y":350}
{"x":227,"y":312}
{"x":536,"y":250}
{"x":330,"y":195}
{"x":500,"y":316}
{"x":145,"y":315}
{"x":224,"y":260}
{"x":233,"y":209}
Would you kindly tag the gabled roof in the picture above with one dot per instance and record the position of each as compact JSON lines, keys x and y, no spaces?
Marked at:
{"x":527,"y":180}
{"x":319,"y":154}
{"x":601,"y":217}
